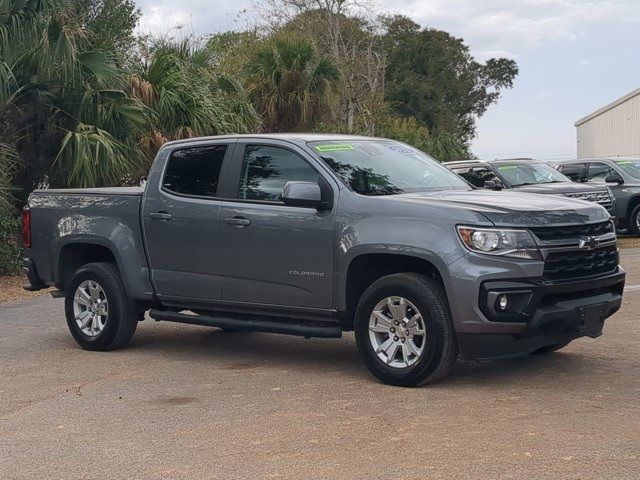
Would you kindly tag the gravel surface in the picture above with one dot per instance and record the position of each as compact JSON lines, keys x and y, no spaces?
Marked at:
{"x":11,"y":289}
{"x":191,"y":402}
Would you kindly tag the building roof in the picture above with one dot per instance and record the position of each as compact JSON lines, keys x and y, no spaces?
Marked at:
{"x":608,"y":107}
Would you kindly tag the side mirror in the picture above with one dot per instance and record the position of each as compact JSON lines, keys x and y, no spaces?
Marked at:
{"x":493,"y":185}
{"x":302,"y":194}
{"x":614,"y":179}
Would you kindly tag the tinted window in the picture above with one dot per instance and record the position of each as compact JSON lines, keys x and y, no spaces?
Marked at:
{"x":266,"y":170}
{"x":529,"y":173}
{"x":382,"y":167}
{"x":630,"y":166}
{"x":476,"y":176}
{"x":575,"y":171}
{"x":599,"y":171}
{"x":195,"y":171}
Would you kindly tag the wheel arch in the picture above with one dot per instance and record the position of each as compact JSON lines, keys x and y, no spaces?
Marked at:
{"x":366,"y":267}
{"x":75,"y":253}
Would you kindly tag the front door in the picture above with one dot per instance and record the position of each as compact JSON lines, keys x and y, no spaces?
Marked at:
{"x":274,"y":254}
{"x":180,"y":216}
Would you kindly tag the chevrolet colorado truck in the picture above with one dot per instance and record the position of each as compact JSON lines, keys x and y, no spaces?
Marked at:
{"x":314,"y":235}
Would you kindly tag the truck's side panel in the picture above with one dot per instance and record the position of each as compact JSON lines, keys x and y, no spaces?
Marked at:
{"x":181,"y":230}
{"x":108,"y":220}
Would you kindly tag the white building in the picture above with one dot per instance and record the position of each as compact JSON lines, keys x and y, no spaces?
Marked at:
{"x":613,"y":130}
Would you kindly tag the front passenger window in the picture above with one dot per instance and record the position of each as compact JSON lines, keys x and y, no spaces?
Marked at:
{"x":599,"y":171}
{"x":267,"y":169}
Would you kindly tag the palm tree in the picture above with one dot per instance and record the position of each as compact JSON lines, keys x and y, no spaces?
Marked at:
{"x":68,"y":114}
{"x":290,"y":84}
{"x":188,"y":96}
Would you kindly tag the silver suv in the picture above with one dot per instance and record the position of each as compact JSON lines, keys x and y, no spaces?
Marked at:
{"x":620,"y":174}
{"x":531,"y":176}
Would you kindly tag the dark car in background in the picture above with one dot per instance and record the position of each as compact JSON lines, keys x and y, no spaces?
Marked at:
{"x":531,"y":176}
{"x":621,"y":175}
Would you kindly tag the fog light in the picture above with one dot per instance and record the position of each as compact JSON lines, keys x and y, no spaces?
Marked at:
{"x":502,"y":303}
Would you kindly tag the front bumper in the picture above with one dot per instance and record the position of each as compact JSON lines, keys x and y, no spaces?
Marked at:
{"x":547,"y":313}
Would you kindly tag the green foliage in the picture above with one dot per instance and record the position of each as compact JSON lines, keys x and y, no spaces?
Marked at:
{"x":291,"y":84}
{"x":433,"y":77}
{"x":442,"y":146}
{"x":84,"y":102}
{"x":10,"y":248}
{"x":111,"y":22}
{"x":188,"y":96}
{"x":63,"y":88}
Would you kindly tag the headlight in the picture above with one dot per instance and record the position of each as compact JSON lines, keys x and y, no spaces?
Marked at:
{"x":504,"y":242}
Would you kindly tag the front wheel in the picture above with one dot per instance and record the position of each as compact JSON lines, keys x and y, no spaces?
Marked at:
{"x":634,"y":221}
{"x":98,"y":311}
{"x":404,"y":331}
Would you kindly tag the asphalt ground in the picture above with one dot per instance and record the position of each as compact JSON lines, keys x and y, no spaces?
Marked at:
{"x":192,"y":402}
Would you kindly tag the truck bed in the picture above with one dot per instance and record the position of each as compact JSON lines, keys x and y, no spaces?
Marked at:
{"x":107,"y":217}
{"x":137,"y":191}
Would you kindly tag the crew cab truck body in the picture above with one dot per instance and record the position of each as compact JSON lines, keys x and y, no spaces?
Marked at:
{"x":314,"y":235}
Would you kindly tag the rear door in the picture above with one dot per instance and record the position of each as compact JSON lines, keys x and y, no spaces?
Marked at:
{"x":575,"y":171}
{"x":273,"y":254}
{"x":180,"y":217}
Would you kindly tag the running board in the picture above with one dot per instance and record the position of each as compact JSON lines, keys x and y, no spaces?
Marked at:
{"x":253,"y":324}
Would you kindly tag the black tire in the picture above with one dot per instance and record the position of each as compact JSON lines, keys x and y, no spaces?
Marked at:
{"x":633,"y":221}
{"x":551,"y":348}
{"x":441,"y":349}
{"x":121,"y":321}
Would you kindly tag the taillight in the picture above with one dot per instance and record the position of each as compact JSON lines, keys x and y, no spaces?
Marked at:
{"x":26,"y":226}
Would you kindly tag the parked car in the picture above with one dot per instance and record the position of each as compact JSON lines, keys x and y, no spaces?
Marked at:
{"x":621,"y":175}
{"x":528,"y":175}
{"x":313,"y":235}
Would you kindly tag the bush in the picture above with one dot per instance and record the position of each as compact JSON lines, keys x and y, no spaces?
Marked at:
{"x":10,"y":244}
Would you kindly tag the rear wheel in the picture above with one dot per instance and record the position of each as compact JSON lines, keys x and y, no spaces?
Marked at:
{"x":404,"y":331}
{"x":99,"y":314}
{"x":634,"y":221}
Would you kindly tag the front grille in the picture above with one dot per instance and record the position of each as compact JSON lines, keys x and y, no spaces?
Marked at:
{"x":575,"y":264}
{"x":572,"y":232}
{"x":601,"y":197}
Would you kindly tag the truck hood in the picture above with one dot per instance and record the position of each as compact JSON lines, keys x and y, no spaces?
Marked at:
{"x":508,"y":208}
{"x":559,"y":188}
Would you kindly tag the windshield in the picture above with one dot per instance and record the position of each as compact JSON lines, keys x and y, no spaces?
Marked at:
{"x":384,"y":167}
{"x":516,"y":174}
{"x":631,"y":167}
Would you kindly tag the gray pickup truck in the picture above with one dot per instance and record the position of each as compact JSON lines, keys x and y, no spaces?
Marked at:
{"x":313,"y":235}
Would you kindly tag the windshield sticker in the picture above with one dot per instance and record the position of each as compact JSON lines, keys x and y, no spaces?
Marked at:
{"x":334,"y":147}
{"x":508,"y":167}
{"x":396,"y":147}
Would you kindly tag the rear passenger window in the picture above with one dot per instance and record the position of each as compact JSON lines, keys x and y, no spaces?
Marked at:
{"x":575,"y":171}
{"x":195,"y":171}
{"x":476,"y":176}
{"x":267,"y":169}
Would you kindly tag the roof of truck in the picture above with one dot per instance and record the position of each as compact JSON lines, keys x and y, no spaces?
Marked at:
{"x":490,"y":162}
{"x":294,"y":137}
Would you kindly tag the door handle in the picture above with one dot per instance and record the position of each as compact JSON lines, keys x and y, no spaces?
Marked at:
{"x":160,"y":216}
{"x":238,"y":221}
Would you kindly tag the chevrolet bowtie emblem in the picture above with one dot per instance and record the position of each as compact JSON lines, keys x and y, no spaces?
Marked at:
{"x":588,"y":243}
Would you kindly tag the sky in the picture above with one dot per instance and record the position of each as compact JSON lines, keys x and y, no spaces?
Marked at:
{"x":574,"y":56}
